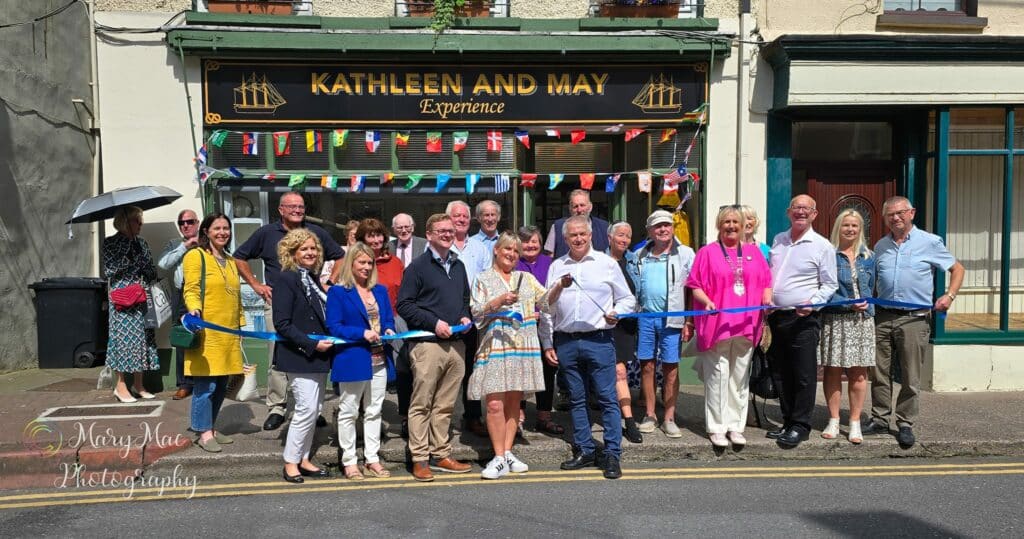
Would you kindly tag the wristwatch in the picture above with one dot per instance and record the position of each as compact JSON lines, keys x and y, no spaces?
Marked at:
{"x":951,"y":296}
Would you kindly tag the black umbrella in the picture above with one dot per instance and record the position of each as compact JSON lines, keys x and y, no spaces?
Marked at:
{"x":104,"y":206}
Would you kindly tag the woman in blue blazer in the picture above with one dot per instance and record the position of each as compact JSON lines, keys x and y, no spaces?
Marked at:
{"x":299,"y":310}
{"x":359,"y":311}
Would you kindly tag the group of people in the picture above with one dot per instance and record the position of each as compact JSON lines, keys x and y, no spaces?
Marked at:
{"x":501,"y":316}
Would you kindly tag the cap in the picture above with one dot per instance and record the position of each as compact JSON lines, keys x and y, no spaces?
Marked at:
{"x":658,"y":217}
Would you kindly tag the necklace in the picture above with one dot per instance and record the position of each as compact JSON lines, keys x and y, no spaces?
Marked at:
{"x":738,"y":287}
{"x":222,"y":266}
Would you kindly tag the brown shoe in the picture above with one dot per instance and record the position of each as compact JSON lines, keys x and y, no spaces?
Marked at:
{"x":450,"y":465}
{"x":182,"y":393}
{"x":421,"y":471}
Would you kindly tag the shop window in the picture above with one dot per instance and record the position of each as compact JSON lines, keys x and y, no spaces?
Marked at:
{"x":682,"y":9}
{"x":1016,"y":313}
{"x":977,"y":129}
{"x":414,"y":156}
{"x":354,"y":156}
{"x":671,"y":153}
{"x":563,"y":157}
{"x":1018,"y":129}
{"x":298,"y":158}
{"x":842,"y":141}
{"x":229,"y":154}
{"x":475,"y":157}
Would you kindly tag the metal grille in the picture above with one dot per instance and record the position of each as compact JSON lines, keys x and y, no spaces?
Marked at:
{"x":924,"y":5}
{"x":230,"y":154}
{"x":669,"y":154}
{"x":298,"y":158}
{"x":559,"y":157}
{"x":415,"y":156}
{"x":355,"y":157}
{"x":475,"y":156}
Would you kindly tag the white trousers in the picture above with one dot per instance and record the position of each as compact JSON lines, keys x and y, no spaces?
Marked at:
{"x":726,"y":385}
{"x":308,"y":391}
{"x":371,"y":393}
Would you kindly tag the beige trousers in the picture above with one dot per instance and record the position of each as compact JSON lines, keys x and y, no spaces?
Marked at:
{"x":726,"y":368}
{"x":437,"y":369}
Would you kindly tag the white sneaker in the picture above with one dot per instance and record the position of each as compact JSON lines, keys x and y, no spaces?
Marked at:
{"x":671,"y":430}
{"x":646,"y":425}
{"x":496,"y":468}
{"x":718,"y":439}
{"x":514,"y":464}
{"x":736,"y":438}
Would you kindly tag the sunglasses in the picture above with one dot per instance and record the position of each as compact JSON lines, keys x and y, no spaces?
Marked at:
{"x":188,"y":222}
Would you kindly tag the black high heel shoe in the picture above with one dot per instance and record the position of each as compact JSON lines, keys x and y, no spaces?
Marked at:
{"x":322,"y":473}
{"x":293,"y":478}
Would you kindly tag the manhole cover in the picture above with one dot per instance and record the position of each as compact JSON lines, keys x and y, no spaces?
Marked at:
{"x":102,"y":411}
{"x":72,"y":385}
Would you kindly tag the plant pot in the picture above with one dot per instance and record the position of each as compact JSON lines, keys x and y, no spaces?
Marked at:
{"x":659,"y":11}
{"x":472,"y":8}
{"x":258,"y":7}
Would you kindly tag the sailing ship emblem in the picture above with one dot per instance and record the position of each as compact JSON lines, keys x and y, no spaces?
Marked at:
{"x":659,"y":97}
{"x":257,"y":96}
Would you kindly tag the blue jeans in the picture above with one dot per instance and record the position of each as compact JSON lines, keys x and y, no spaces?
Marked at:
{"x":589,"y":359}
{"x":207,"y":397}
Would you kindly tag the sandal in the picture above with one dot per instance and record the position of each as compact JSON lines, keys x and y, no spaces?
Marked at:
{"x":379,"y":472}
{"x":352,"y":473}
{"x":831,"y":430}
{"x":549,"y":426}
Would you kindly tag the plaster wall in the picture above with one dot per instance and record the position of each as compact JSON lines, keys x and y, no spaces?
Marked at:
{"x":977,"y":368}
{"x":46,"y":154}
{"x":779,"y":17}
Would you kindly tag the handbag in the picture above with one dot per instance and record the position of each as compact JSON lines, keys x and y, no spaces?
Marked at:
{"x":242,"y":387}
{"x":128,"y":296}
{"x":158,"y":307}
{"x":761,"y":382}
{"x":180,"y":336}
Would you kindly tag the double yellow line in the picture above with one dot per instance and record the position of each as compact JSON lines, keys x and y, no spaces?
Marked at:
{"x":59,"y":497}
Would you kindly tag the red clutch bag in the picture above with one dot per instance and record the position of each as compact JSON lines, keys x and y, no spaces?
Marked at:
{"x":128,"y":297}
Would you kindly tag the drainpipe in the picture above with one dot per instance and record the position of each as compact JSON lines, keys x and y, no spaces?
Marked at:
{"x":741,"y":93}
{"x":94,"y":129}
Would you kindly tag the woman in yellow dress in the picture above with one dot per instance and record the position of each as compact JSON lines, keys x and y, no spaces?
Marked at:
{"x":215,"y":296}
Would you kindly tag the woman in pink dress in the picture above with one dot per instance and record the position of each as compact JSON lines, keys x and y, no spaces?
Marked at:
{"x":728,"y":274}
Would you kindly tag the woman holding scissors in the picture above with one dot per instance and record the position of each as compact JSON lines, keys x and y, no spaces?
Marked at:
{"x":508,"y":363}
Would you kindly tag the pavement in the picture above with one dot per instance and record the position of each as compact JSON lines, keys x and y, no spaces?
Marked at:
{"x":58,"y":428}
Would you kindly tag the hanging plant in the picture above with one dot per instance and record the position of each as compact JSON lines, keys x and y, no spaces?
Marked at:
{"x":444,"y":14}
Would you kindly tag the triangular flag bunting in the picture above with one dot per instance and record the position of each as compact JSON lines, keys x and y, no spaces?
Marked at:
{"x":555,"y":179}
{"x":314,"y":142}
{"x":201,"y":156}
{"x":613,"y":129}
{"x":471,"y":180}
{"x":523,"y":137}
{"x":442,"y":182}
{"x":501,"y":183}
{"x":297,"y":181}
{"x":205,"y":173}
{"x":667,"y":134}
{"x":270,"y":177}
{"x":402,"y":138}
{"x":459,"y":140}
{"x":218,"y":137}
{"x":387,"y":178}
{"x":414,"y":180}
{"x":249,"y":144}
{"x":433,"y":142}
{"x":644,"y":181}
{"x":338,"y":137}
{"x":494,"y":141}
{"x":329,"y":182}
{"x":611,"y":182}
{"x":358,"y":183}
{"x":553,"y":133}
{"x":282,"y":143}
{"x":577,"y":136}
{"x":676,"y":176}
{"x":372,"y":141}
{"x":235,"y":172}
{"x":528,"y":180}
{"x":587,"y":181}
{"x":633,"y":133}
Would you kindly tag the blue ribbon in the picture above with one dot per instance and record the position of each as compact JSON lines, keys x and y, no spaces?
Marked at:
{"x":734,"y":310}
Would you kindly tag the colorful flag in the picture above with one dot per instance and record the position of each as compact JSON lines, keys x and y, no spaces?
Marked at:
{"x":314,"y":141}
{"x":297,"y":181}
{"x":442,"y":182}
{"x":501,"y":183}
{"x":387,"y":178}
{"x":459,"y":140}
{"x":471,"y":180}
{"x":611,"y":182}
{"x":338,"y":137}
{"x":282,"y":143}
{"x":372,"y":141}
{"x":249,"y":144}
{"x":553,"y":133}
{"x":523,"y":137}
{"x":235,"y":172}
{"x":402,"y":138}
{"x":587,"y":181}
{"x":201,"y":156}
{"x":358,"y":182}
{"x":613,"y":129}
{"x":329,"y":182}
{"x":676,"y":176}
{"x":555,"y":179}
{"x":527,"y":180}
{"x":644,"y":181}
{"x":218,"y":137}
{"x":414,"y":180}
{"x":577,"y":136}
{"x":494,"y":141}
{"x":667,"y":134}
{"x":205,"y":173}
{"x":633,"y":133}
{"x":270,"y":177}
{"x":433,"y":142}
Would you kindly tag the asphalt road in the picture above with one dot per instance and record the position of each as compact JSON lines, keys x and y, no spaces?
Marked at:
{"x":909,"y":498}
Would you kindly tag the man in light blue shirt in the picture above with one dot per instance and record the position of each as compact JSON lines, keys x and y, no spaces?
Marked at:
{"x":906,"y":260}
{"x":170,"y":260}
{"x":488,"y":214}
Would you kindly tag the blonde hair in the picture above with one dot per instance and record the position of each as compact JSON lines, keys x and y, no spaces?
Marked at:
{"x":290,"y":244}
{"x":860,"y":244}
{"x":726,"y":210}
{"x":346,"y":278}
{"x":750,"y":215}
{"x":507,"y":238}
{"x":124,"y":214}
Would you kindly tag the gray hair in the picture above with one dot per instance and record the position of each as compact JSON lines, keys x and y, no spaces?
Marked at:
{"x":892,"y":201}
{"x":527,"y":232}
{"x":575,"y":220}
{"x":454,"y":204}
{"x":406,"y":215}
{"x":483,"y":205}
{"x":579,"y":193}
{"x":620,"y":224}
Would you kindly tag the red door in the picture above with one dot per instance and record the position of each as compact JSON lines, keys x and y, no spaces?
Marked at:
{"x":861,"y":185}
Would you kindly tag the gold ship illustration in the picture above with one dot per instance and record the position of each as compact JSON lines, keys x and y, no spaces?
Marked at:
{"x":659,"y":96}
{"x":256,"y":95}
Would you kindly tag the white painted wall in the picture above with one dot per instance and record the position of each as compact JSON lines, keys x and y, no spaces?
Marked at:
{"x":977,"y":368}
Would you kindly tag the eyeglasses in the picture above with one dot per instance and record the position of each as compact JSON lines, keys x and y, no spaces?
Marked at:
{"x":296,"y":207}
{"x":803,"y":208}
{"x":444,"y":232}
{"x":189,"y":222}
{"x":900,"y":213}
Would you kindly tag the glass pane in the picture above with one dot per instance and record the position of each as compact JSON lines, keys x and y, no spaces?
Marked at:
{"x":974,"y":236}
{"x":1017,"y":248}
{"x":977,"y":129}
{"x":1018,"y":128}
{"x":842,"y":141}
{"x":923,"y":5}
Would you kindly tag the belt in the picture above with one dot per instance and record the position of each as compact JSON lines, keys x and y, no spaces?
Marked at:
{"x":904,"y":312}
{"x":596,"y":334}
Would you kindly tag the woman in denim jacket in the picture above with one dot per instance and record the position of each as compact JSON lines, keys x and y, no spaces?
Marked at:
{"x":848,"y":331}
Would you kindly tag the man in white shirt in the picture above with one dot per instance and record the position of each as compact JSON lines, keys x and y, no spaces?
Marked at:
{"x":803,"y":272}
{"x":170,"y":260}
{"x":406,"y":246}
{"x":576,"y":335}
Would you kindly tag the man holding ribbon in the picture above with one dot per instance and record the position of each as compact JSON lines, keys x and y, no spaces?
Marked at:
{"x":906,"y":261}
{"x":804,"y":272}
{"x":577,"y":337}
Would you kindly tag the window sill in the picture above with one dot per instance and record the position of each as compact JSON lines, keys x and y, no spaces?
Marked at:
{"x":951,"y":23}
